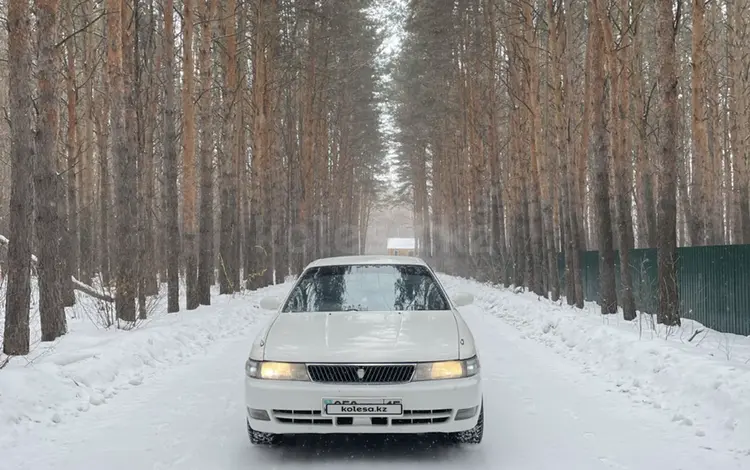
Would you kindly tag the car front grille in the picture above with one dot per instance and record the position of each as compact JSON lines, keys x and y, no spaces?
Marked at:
{"x":301,"y":417}
{"x":361,"y":374}
{"x":409,"y":418}
{"x":422,"y":417}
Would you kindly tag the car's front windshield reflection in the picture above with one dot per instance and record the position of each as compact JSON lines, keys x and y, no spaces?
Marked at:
{"x":359,"y":287}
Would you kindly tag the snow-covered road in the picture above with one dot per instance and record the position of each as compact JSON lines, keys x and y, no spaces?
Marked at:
{"x":542,"y":412}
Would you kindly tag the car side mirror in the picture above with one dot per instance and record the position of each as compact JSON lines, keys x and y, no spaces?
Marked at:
{"x":463,"y":299}
{"x":269,"y":303}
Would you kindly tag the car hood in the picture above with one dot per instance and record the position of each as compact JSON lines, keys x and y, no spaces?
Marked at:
{"x":412,"y":336}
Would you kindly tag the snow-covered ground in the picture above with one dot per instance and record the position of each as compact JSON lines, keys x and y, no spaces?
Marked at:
{"x":563,"y":389}
{"x":92,"y":364}
{"x":697,"y":376}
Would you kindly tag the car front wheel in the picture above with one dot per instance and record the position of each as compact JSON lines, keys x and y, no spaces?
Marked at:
{"x":473,"y":435}
{"x":261,"y":438}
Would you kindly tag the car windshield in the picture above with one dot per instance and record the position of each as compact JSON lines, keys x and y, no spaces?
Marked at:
{"x":366,"y":287}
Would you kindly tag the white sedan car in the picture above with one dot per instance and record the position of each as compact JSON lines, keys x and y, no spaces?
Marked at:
{"x":365,"y":345}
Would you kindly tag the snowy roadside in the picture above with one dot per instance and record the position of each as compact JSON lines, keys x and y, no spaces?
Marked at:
{"x":702,"y":383}
{"x":90,"y":365}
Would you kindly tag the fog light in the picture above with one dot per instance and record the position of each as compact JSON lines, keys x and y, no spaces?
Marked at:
{"x":466,"y":413}
{"x":259,"y":415}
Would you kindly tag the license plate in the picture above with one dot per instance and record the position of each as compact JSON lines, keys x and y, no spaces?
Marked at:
{"x":363,"y":406}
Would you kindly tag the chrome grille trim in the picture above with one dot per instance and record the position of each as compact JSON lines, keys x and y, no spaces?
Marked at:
{"x":412,"y":417}
{"x":373,"y":373}
{"x":301,"y":417}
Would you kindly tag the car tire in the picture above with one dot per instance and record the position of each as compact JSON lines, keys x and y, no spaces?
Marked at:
{"x":473,"y":435}
{"x":261,"y":438}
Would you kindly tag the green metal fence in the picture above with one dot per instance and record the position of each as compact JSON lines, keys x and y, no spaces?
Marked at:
{"x":713,"y":283}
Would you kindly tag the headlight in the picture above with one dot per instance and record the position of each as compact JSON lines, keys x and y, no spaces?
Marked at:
{"x":276,"y":370}
{"x":447,"y":369}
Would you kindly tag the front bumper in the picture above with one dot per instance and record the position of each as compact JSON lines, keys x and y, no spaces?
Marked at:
{"x":289,"y":407}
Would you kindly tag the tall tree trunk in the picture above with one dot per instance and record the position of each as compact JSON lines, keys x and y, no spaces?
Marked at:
{"x":576,"y":239}
{"x":188,"y":160}
{"x":581,"y":195}
{"x":666,"y":31}
{"x":147,"y":175}
{"x":102,"y":137}
{"x":616,"y":64}
{"x":125,"y":152}
{"x":71,"y":243}
{"x":558,"y":49}
{"x":135,"y":116}
{"x":548,"y":166}
{"x":645,"y":186}
{"x":47,"y":183}
{"x":18,"y":294}
{"x":170,"y":166}
{"x":263,"y":213}
{"x":536,"y":226}
{"x":601,"y":158}
{"x":206,"y":14}
{"x":86,"y":174}
{"x":239,"y":164}
{"x":518,"y":238}
{"x":740,"y":122}
{"x":698,"y":208}
{"x":228,"y":262}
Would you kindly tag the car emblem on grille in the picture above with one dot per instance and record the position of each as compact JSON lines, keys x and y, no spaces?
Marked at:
{"x":361,"y":373}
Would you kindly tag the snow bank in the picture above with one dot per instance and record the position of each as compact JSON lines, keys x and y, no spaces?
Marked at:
{"x":703,"y":383}
{"x":90,"y":365}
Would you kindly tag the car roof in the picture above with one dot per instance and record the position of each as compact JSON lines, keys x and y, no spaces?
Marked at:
{"x":366,"y":259}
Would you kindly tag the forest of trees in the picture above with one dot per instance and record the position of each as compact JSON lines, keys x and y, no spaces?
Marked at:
{"x":147,"y":142}
{"x":527,"y":129}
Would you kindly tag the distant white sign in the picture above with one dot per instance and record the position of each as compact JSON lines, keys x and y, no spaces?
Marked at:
{"x":401,"y":244}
